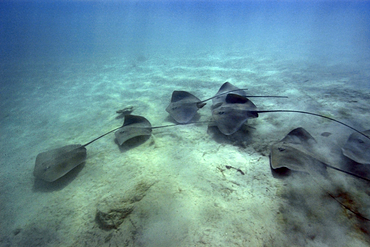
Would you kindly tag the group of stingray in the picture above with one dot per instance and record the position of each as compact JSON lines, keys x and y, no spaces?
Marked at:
{"x":231,"y":108}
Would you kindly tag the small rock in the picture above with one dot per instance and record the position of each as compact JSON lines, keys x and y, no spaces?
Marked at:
{"x":17,"y":231}
{"x":326,"y":134}
{"x":114,"y":208}
{"x":113,"y":218}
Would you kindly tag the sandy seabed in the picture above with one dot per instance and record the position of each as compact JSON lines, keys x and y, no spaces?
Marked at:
{"x":176,"y":182}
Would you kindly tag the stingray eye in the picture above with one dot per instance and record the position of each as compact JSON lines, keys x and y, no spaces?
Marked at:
{"x":360,"y":141}
{"x":221,"y":113}
{"x":122,"y":131}
{"x":281,"y":149}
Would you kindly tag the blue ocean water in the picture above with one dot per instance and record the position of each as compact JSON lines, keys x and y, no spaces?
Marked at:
{"x":302,"y":28}
{"x":67,"y":66}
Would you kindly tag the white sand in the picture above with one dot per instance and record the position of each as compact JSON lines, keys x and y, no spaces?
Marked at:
{"x":195,"y":200}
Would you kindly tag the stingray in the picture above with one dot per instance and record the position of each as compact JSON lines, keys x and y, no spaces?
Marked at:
{"x":357,"y":148}
{"x":132,"y":127}
{"x":184,"y":105}
{"x":232,"y":114}
{"x":298,"y":151}
{"x":54,"y":164}
{"x":236,"y":111}
{"x":295,"y":151}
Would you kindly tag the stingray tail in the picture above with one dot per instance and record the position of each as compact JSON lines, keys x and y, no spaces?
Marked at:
{"x":354,"y":211}
{"x":347,"y":172}
{"x":97,"y":138}
{"x":318,"y":115}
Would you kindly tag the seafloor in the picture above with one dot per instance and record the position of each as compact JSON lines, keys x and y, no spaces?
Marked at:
{"x":175,"y":185}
